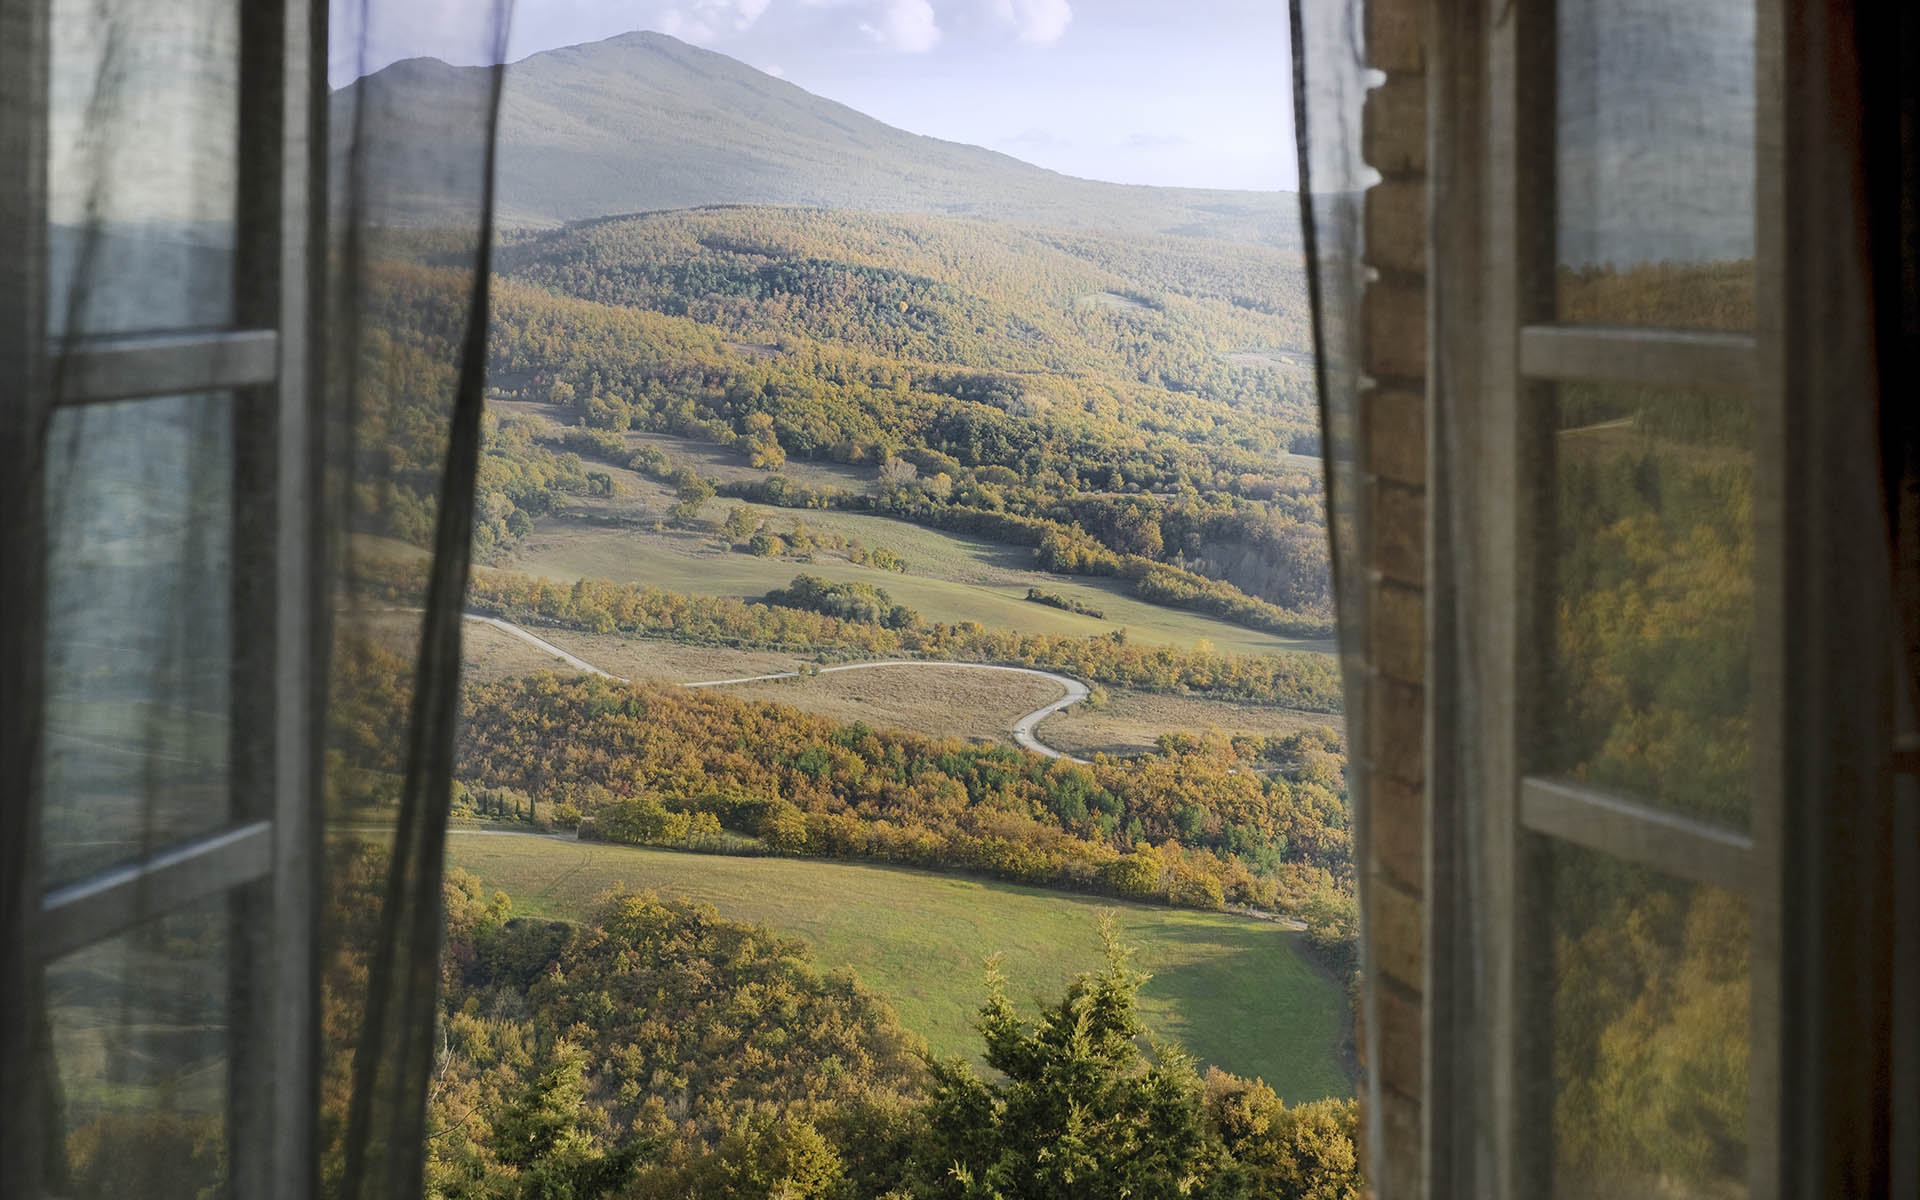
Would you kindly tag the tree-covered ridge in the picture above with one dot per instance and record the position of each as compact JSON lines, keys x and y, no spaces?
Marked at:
{"x":947,"y":290}
{"x":1204,"y":822}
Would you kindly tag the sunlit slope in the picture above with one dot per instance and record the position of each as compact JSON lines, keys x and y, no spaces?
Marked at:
{"x":1234,"y":991}
{"x":1196,"y":316}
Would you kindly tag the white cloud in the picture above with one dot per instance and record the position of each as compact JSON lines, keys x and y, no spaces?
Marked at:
{"x":1154,"y":141}
{"x":906,"y":25}
{"x":707,"y":20}
{"x":1044,"y":138}
{"x":1035,"y":22}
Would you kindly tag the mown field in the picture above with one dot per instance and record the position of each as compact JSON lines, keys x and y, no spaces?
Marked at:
{"x":1235,"y":991}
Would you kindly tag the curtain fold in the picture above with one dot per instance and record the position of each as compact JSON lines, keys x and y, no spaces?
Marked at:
{"x":1330,"y":79}
{"x":410,"y":426}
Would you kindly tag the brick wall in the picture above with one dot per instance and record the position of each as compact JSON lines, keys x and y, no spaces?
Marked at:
{"x":1393,"y":418}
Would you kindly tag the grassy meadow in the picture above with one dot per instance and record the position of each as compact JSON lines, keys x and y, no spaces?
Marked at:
{"x":949,"y":577}
{"x":1236,"y":992}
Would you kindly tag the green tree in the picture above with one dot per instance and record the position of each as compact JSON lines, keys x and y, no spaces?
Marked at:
{"x":1078,"y":1111}
{"x":741,"y":524}
{"x":769,"y":1158}
{"x":690,"y":492}
{"x":543,"y":1137}
{"x":784,"y":828}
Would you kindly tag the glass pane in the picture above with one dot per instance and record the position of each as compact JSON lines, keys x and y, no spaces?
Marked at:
{"x":140,"y":534}
{"x":138,"y":1027}
{"x":143,"y":110}
{"x":1655,"y":146}
{"x":1650,"y":1036}
{"x":1650,"y":617}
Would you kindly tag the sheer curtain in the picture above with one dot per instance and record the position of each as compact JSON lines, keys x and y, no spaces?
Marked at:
{"x":1330,"y":80}
{"x":225,"y":766}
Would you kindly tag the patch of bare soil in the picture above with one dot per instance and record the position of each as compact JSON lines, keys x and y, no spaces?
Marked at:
{"x":978,"y":706}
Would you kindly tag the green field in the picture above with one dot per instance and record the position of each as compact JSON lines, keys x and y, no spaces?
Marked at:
{"x":1235,"y":991}
{"x":949,"y":577}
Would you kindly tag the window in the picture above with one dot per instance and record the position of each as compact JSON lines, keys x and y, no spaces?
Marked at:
{"x":1670,"y":746}
{"x":154,"y":314}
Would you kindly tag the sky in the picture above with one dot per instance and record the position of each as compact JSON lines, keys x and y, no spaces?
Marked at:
{"x":1189,"y":93}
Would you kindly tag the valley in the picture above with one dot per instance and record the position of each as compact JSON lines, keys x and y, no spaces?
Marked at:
{"x":911,"y":554}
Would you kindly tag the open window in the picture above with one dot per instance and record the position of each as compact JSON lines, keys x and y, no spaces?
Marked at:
{"x":1663,"y":806}
{"x":154,"y":304}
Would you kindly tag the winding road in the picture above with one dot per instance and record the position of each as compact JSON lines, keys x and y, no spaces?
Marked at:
{"x":1023,"y":729}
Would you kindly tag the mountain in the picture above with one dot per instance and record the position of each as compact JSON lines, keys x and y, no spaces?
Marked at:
{"x":643,"y":121}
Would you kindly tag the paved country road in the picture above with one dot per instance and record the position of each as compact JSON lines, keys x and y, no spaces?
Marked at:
{"x":1023,"y":729}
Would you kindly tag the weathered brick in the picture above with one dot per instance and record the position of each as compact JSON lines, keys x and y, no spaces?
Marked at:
{"x":1397,"y":827}
{"x":1400,"y":534}
{"x":1394,"y":731}
{"x":1396,"y":41}
{"x":1397,"y":632}
{"x":1397,"y":225}
{"x":1398,"y":1014}
{"x":1396,"y":329}
{"x":1400,"y":1129}
{"x":1394,"y":932}
{"x":1393,"y":126}
{"x":1396,"y":431}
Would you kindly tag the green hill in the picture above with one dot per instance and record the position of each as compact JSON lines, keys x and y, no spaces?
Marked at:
{"x":644,"y":121}
{"x":1234,"y":991}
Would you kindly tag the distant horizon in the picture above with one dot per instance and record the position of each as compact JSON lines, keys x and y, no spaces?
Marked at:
{"x":1129,"y":92}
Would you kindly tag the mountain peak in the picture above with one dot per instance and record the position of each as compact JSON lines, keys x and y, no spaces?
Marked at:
{"x":644,"y":121}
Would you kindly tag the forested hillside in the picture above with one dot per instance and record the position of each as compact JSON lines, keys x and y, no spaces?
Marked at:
{"x":1120,"y":408}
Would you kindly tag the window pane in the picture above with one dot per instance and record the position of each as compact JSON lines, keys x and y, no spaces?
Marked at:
{"x":1655,"y":133}
{"x":144,"y":139}
{"x":1650,"y":1037}
{"x":138,"y":1027}
{"x":139,"y":656}
{"x":1649,"y":560}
